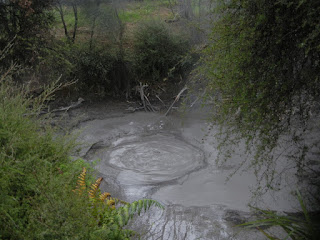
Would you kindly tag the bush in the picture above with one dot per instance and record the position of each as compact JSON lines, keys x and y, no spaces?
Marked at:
{"x":157,"y":53}
{"x":98,"y":70}
{"x":41,"y":195}
{"x":27,"y":23}
{"x":93,"y":67}
{"x":36,"y":177}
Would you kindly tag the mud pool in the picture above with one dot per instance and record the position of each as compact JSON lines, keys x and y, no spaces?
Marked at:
{"x":147,"y":155}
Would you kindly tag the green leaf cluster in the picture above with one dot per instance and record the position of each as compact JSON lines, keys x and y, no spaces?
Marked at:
{"x":28,"y":23}
{"x":157,"y":52}
{"x":38,"y":179}
{"x":262,"y":67}
{"x":302,"y":228}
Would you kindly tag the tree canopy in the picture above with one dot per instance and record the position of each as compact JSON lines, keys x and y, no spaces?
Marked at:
{"x":26,"y":21}
{"x":262,"y":66}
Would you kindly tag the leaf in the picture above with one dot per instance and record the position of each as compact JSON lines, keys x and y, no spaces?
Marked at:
{"x":81,"y":183}
{"x":140,"y":205}
{"x":134,"y":207}
{"x":94,"y":188}
{"x":104,"y":196}
{"x":127,"y":212}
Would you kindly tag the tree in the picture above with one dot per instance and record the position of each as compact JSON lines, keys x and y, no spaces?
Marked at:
{"x":74,"y":4}
{"x":186,"y":9}
{"x":27,"y":21}
{"x":263,"y":67}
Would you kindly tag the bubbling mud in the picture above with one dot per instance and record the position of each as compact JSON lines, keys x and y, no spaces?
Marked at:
{"x":153,"y":159}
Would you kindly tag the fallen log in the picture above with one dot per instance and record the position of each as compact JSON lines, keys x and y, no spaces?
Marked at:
{"x":73,"y":105}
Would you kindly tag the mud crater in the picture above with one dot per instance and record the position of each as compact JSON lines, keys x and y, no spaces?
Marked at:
{"x":151,"y":159}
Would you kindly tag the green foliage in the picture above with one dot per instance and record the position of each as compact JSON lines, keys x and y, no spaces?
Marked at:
{"x":124,"y":214}
{"x":103,"y":207}
{"x":93,"y":67}
{"x":38,"y":195}
{"x":114,"y":219}
{"x":27,"y":22}
{"x":36,"y":177}
{"x":296,"y":228}
{"x":263,"y":67}
{"x":137,"y":11}
{"x":99,"y":70}
{"x":158,"y":54}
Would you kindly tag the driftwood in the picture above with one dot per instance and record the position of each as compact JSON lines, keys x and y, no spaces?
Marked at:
{"x":73,"y":105}
{"x":132,"y":109}
{"x":61,"y":109}
{"x":176,"y":99}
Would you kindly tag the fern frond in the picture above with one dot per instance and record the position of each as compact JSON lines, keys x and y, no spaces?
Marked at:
{"x":104,"y":196}
{"x":81,"y":183}
{"x":120,"y":201}
{"x":111,"y":202}
{"x":127,"y":212}
{"x":94,"y":188}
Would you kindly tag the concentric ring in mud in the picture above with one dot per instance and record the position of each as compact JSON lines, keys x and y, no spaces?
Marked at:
{"x":154,"y":159}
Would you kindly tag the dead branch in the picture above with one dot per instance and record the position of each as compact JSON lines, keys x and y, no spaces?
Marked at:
{"x":191,"y":105}
{"x":149,"y":104}
{"x":160,"y":100}
{"x":145,"y":101}
{"x":11,"y":68}
{"x":142,"y":95}
{"x":176,"y":99}
{"x":73,"y":105}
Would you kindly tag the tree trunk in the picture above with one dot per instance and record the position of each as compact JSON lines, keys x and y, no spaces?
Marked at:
{"x":75,"y":27}
{"x":171,"y":7}
{"x":59,"y":8}
{"x":92,"y":31}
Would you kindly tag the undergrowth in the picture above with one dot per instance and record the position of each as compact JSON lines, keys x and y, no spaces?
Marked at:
{"x":303,"y":228}
{"x":38,"y":176}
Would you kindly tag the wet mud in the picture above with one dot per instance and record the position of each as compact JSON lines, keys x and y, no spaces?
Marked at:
{"x":146,"y":155}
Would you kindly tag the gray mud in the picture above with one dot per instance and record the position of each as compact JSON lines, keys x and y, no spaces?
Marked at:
{"x":147,"y":155}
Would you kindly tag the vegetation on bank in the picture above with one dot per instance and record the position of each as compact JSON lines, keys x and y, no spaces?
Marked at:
{"x":296,"y":227}
{"x":261,"y":70}
{"x":97,"y":43}
{"x":41,"y":195}
{"x":262,"y":67}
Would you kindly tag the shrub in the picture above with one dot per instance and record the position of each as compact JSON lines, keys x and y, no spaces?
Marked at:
{"x":27,"y":23}
{"x":157,"y":52}
{"x":99,"y":70}
{"x":36,"y":177}
{"x":93,"y":67}
{"x":302,"y":228}
{"x":39,"y":197}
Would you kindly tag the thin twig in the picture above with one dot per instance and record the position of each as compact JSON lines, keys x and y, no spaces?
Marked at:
{"x":149,"y":104}
{"x":160,"y":100}
{"x":176,"y":99}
